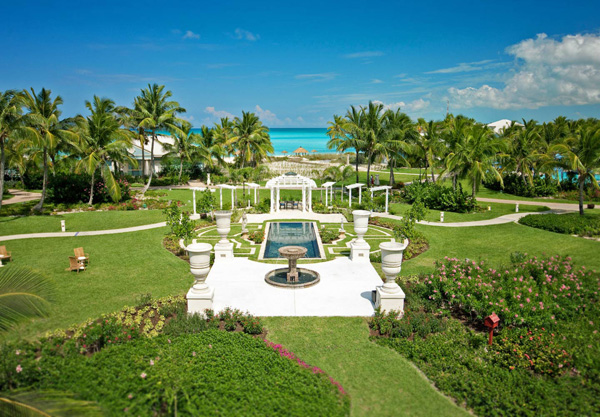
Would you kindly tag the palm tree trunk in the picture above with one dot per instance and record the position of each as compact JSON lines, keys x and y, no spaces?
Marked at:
{"x":151,"y":163}
{"x":40,"y":204}
{"x":392,"y":181}
{"x":454,"y":181}
{"x":369,"y":171}
{"x":180,"y":169}
{"x":474,"y":187}
{"x":2,"y":161}
{"x":581,"y":184}
{"x":92,"y":189}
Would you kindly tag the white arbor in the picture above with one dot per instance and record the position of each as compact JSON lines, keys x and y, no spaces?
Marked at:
{"x":350,"y":188}
{"x":228,"y":187}
{"x":387,"y":189}
{"x":328,"y":187}
{"x":291,"y":181}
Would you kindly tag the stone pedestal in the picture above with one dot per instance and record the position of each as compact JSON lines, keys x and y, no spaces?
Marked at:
{"x":195,"y":216}
{"x":389,"y":301}
{"x":223,"y":251}
{"x":198,"y":302}
{"x":359,"y":251}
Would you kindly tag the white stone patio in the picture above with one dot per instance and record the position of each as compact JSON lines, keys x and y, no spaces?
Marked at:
{"x":296,"y":215}
{"x":344,"y":290}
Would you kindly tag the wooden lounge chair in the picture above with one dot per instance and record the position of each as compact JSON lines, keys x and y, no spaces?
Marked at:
{"x":81,"y":256}
{"x":4,"y":254}
{"x":75,"y":264}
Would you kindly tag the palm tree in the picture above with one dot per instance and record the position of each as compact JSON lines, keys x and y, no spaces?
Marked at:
{"x":580,"y":152}
{"x":524,"y":146}
{"x":185,"y":145}
{"x":213,"y":144}
{"x":222,"y":133}
{"x":130,"y":119}
{"x":44,"y":131}
{"x":337,"y":173}
{"x":476,"y":156}
{"x":344,"y":133}
{"x":250,"y":139}
{"x":23,"y":294}
{"x":399,"y":134}
{"x":454,"y":135}
{"x":156,"y":112}
{"x":102,"y":140}
{"x":10,"y":113}
{"x":430,"y":144}
{"x":373,"y":132}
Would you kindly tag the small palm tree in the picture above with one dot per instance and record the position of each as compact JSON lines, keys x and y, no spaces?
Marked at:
{"x":10,"y":114}
{"x":454,"y":135}
{"x":250,"y":139}
{"x":185,"y":145}
{"x":345,"y":133}
{"x":397,"y":142}
{"x":429,"y":144}
{"x":581,"y":153}
{"x":23,"y":294}
{"x":103,"y":140}
{"x":373,"y":132}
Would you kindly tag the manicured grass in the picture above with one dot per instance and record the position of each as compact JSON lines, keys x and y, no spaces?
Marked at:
{"x":78,"y":222}
{"x":498,"y":209}
{"x":380,"y":381}
{"x":496,"y":243}
{"x":570,"y":223}
{"x":122,"y":268}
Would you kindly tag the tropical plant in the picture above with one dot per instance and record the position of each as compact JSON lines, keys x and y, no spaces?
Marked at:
{"x":185,"y":146}
{"x":429,"y":144}
{"x":581,"y":153}
{"x":373,"y":131}
{"x":250,"y":140}
{"x":398,"y":139}
{"x":454,"y":134}
{"x":338,"y":173}
{"x":23,"y":294}
{"x":10,"y":112}
{"x":103,"y":140}
{"x":344,"y":133}
{"x":43,"y":131}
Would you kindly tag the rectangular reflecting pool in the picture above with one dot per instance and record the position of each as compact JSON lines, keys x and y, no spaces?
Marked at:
{"x":291,"y":234}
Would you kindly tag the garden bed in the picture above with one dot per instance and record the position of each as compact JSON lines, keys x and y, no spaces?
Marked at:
{"x":587,"y":225}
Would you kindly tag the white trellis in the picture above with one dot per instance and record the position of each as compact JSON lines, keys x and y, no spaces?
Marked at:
{"x":255,"y":187}
{"x":352,"y":187}
{"x":387,"y":189}
{"x":291,"y":181}
{"x":328,"y":188}
{"x":227,"y":187}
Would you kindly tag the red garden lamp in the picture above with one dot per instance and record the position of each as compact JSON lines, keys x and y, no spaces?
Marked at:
{"x":491,"y":322}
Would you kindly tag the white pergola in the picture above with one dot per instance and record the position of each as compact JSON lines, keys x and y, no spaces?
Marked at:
{"x":255,"y":186}
{"x":227,"y":187}
{"x":291,"y":181}
{"x":194,"y":189}
{"x":387,"y":189}
{"x":350,"y":188}
{"x":328,"y":185}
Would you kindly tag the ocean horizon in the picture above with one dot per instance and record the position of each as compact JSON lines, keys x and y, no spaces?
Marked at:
{"x":289,"y":139}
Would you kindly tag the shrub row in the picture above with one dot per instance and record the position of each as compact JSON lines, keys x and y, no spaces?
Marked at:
{"x":571,"y":223}
{"x":70,"y":188}
{"x":439,"y":197}
{"x":542,"y":186}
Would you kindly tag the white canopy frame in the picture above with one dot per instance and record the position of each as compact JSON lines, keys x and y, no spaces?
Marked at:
{"x":227,"y":187}
{"x":328,"y":188}
{"x":387,"y":189}
{"x":194,"y":189}
{"x":350,"y":188}
{"x":291,"y":181}
{"x":255,"y":186}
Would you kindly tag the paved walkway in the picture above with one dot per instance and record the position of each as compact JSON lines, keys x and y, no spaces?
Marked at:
{"x":88,"y":233}
{"x":551,"y":205}
{"x":21,"y":196}
{"x":296,"y":215}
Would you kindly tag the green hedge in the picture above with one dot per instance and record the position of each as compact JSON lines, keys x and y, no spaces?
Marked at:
{"x":439,"y":197}
{"x":572,"y":223}
{"x":204,"y":374}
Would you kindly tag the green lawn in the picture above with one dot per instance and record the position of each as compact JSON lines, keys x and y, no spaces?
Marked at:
{"x":79,"y":222}
{"x":497,"y":210}
{"x":380,"y":381}
{"x":384,"y":178}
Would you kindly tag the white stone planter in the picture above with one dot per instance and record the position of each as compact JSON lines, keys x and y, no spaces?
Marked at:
{"x":199,"y":254}
{"x":223,"y":225}
{"x":391,"y":264}
{"x":361,"y":224}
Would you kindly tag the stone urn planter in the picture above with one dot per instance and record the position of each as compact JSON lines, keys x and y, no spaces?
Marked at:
{"x":223,"y":225}
{"x":391,"y":263}
{"x":199,"y":254}
{"x":361,"y":224}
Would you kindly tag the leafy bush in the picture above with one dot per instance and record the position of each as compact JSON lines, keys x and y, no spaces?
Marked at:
{"x":257,"y":236}
{"x":209,"y":373}
{"x":179,"y":222}
{"x":207,"y":201}
{"x":543,"y":186}
{"x":329,"y":235}
{"x":70,"y":188}
{"x":571,"y":223}
{"x":438,"y":197}
{"x":412,"y":323}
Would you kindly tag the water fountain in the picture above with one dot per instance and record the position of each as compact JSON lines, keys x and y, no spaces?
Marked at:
{"x":292,"y":276}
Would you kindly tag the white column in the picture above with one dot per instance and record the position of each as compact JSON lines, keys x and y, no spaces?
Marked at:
{"x":232,"y":199}
{"x":349,"y":196}
{"x":278,"y":192}
{"x":194,"y":199}
{"x":326,"y":191}
{"x":303,"y":198}
{"x":221,"y":197}
{"x":359,"y":195}
{"x":386,"y":199}
{"x":342,"y":193}
{"x":309,"y":198}
{"x":272,"y":200}
{"x":255,"y":198}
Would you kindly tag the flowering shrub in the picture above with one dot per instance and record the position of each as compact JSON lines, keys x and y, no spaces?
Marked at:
{"x":536,"y":292}
{"x":412,"y":323}
{"x":70,"y":188}
{"x":257,"y":236}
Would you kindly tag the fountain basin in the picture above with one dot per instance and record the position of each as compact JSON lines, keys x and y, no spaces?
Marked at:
{"x":292,"y":276}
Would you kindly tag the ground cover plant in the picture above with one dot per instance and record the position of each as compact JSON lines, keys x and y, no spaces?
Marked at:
{"x":544,"y":358}
{"x":439,"y":197}
{"x":570,"y":223}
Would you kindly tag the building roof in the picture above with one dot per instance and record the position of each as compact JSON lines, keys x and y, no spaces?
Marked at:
{"x":300,"y":150}
{"x":291,"y":181}
{"x":500,"y":125}
{"x":159,"y":150}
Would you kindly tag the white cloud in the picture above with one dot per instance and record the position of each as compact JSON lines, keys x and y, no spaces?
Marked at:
{"x":549,"y":72}
{"x":240,"y":33}
{"x":462,"y":67}
{"x":267,"y":116}
{"x":413,"y":106}
{"x":376,"y":81}
{"x":218,"y":113}
{"x":325,"y":76}
{"x":365,"y":54}
{"x":190,"y":35}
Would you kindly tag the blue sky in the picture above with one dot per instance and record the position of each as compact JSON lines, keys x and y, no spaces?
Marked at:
{"x":298,"y":63}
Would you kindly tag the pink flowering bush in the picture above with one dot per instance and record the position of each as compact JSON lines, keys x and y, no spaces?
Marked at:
{"x":534,"y":292}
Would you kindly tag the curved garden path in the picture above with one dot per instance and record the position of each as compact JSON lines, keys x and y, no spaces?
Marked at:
{"x":20,"y":196}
